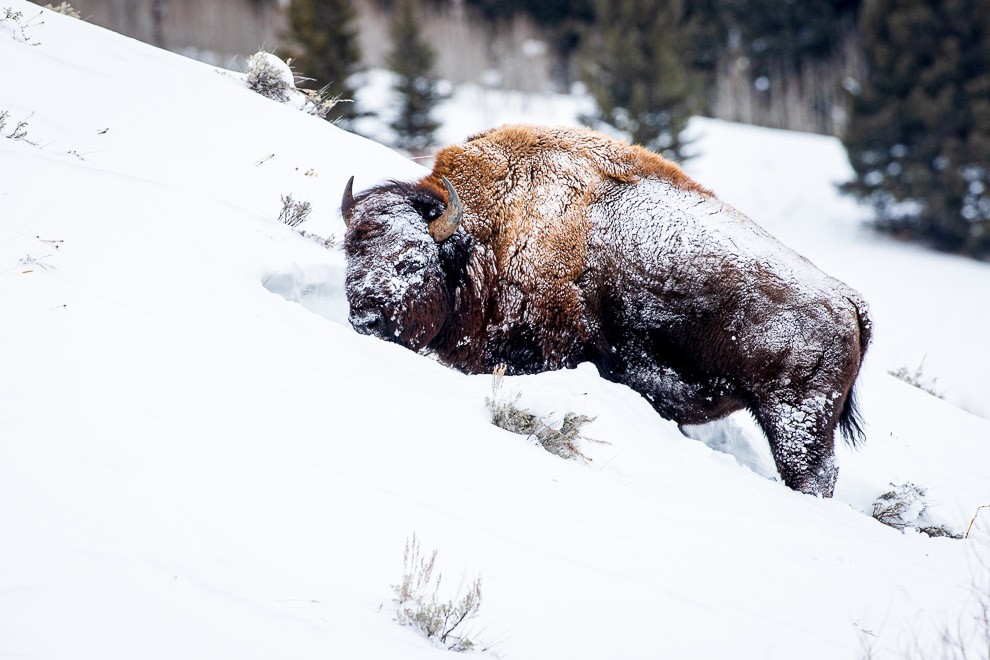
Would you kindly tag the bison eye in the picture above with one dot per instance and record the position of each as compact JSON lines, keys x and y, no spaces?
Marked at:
{"x":409,"y":266}
{"x":428,"y":210}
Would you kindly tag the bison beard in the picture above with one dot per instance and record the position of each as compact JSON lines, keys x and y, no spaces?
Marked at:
{"x":562,"y":245}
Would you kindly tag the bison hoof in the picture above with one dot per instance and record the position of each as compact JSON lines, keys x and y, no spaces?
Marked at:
{"x":820,"y":483}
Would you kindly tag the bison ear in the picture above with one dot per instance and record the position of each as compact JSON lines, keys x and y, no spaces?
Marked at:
{"x":347,"y":203}
{"x":444,"y":227}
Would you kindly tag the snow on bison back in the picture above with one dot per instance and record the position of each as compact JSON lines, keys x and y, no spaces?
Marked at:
{"x":540,"y":248}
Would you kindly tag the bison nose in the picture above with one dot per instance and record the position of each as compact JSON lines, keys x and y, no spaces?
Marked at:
{"x":366,"y":321}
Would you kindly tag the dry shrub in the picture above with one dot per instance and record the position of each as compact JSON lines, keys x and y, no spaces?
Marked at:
{"x":274,"y":79}
{"x":294,"y":213}
{"x":506,"y":414}
{"x":419,"y":606}
{"x":906,"y":507}
{"x":918,"y":378}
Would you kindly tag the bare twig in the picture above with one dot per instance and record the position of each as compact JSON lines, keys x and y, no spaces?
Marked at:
{"x":973,"y":520}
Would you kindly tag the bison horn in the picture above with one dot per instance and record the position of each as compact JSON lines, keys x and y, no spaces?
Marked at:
{"x":347,"y":203}
{"x":443,"y":227}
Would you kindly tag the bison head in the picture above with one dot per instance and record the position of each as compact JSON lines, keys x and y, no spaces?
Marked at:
{"x":400,"y":245}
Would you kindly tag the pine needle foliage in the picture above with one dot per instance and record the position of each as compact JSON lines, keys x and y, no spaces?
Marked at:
{"x":324,"y":48}
{"x":412,"y":60}
{"x":919,"y":134}
{"x":636,"y":71}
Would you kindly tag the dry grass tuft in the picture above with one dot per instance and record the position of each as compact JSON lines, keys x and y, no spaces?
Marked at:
{"x":506,"y":414}
{"x":419,"y":606}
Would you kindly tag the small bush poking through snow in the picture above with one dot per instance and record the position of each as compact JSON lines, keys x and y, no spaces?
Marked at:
{"x":16,"y":19}
{"x":918,"y":378}
{"x":506,"y":414}
{"x":64,"y":8}
{"x":294,"y":213}
{"x":418,"y":604}
{"x":270,"y":76}
{"x":905,"y":507}
{"x":320,"y":102}
{"x":10,"y":15}
{"x":328,"y":243}
{"x":19,"y":133}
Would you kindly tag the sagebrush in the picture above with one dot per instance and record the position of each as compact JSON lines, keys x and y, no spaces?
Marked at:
{"x":294,"y":212}
{"x":906,"y":507}
{"x":319,"y":102}
{"x":918,"y":378}
{"x":9,"y":14}
{"x":274,"y":79}
{"x":506,"y":414}
{"x":328,"y":242}
{"x":267,"y":78}
{"x":20,"y":130}
{"x":21,"y":26}
{"x":418,"y":604}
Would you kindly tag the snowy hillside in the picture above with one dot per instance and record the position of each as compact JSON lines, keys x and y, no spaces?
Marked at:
{"x":194,"y":465}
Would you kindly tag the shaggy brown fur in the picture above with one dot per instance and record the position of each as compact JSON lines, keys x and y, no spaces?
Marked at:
{"x":538,"y":250}
{"x":574,"y":246}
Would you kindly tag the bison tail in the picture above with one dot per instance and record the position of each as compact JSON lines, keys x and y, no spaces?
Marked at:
{"x":850,"y":421}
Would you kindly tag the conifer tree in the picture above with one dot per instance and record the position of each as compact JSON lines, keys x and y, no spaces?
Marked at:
{"x":636,"y":74}
{"x":324,"y":47}
{"x":919,"y":135}
{"x":785,"y":32}
{"x":412,"y":59}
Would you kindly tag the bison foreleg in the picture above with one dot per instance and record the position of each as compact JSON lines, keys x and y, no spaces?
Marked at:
{"x":802,"y":440}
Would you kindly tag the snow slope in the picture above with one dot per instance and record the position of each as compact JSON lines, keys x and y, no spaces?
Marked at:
{"x":193,"y":466}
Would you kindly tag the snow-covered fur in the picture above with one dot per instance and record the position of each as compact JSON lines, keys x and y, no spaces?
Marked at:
{"x":576,"y":247}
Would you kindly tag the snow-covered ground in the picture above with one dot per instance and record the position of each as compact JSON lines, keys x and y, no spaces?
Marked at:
{"x":194,"y":466}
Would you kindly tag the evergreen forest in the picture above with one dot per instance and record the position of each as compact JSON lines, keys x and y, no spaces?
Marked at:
{"x":904,"y":83}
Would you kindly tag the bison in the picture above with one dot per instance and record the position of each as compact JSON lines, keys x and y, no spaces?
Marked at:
{"x":540,"y":248}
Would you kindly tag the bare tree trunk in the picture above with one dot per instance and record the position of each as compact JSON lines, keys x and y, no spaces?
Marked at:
{"x":159,"y":8}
